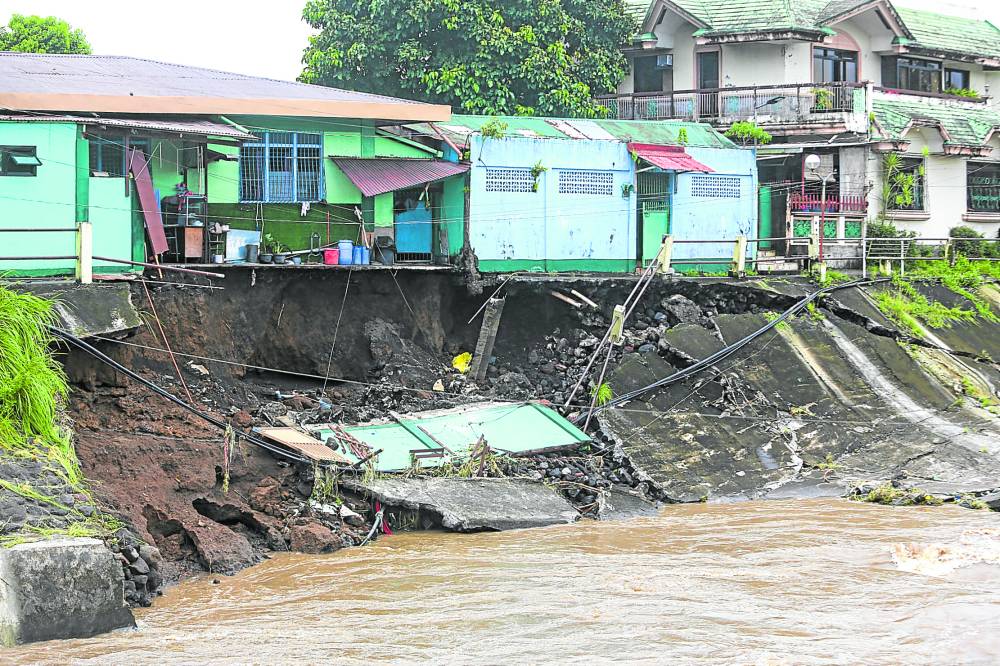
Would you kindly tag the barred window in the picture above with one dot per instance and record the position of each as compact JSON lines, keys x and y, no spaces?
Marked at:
{"x":586,"y":182}
{"x":283,"y":167}
{"x":509,"y":180}
{"x":715,"y":187}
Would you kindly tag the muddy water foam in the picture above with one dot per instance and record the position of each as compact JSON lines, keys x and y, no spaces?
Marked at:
{"x":776,"y":582}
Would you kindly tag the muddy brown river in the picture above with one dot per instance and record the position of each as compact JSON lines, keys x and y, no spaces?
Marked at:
{"x":818,"y":582}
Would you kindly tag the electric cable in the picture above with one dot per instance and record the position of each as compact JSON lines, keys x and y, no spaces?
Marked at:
{"x":162,"y":392}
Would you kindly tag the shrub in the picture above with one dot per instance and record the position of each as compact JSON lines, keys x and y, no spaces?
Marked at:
{"x":969,"y":248}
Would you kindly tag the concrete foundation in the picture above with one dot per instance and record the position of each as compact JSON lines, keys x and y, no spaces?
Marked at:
{"x":60,"y":588}
{"x":476,"y":505}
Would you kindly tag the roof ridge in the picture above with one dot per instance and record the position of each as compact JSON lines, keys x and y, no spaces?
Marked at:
{"x":83,"y":56}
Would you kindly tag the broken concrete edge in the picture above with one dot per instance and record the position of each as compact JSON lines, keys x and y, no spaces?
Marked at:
{"x":473,"y":504}
{"x":60,"y":588}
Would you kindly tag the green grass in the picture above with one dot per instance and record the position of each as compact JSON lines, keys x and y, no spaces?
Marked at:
{"x":33,"y":389}
{"x":909,"y":309}
{"x":783,"y":326}
{"x":887,"y":494}
{"x":602,"y":394}
{"x":964,"y":278}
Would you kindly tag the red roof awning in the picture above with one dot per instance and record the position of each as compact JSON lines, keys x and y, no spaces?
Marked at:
{"x":669,"y":158}
{"x":379,"y":175}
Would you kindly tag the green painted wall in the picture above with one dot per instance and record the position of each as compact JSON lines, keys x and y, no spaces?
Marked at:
{"x":383,"y":210}
{"x":453,"y":211}
{"x":284,"y":222}
{"x":224,"y":177}
{"x":58,"y":196}
{"x":47,"y":200}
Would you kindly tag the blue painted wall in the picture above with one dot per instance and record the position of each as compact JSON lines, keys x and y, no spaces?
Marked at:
{"x":548,"y":228}
{"x":561,"y":228}
{"x":702,"y":209}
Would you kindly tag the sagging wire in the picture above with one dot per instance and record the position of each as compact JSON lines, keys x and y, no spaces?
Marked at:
{"x":85,"y":347}
{"x":733,"y":348}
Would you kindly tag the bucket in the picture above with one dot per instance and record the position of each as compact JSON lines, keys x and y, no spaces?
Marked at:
{"x":346,"y":249}
{"x":331,"y":256}
{"x":252,"y":250}
{"x":366,"y":256}
{"x":358,"y":256}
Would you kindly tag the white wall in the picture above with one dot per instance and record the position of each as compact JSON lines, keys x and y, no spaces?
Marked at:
{"x":945,"y":192}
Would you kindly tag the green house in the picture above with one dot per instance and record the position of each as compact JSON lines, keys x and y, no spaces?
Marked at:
{"x":82,"y":137}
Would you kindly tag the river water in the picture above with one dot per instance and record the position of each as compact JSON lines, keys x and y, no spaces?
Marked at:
{"x":817,"y":582}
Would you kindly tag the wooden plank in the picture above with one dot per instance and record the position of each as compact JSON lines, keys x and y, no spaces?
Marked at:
{"x":139,"y":166}
{"x":302,"y":443}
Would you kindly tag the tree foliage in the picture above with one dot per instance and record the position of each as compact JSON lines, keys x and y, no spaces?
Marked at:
{"x":482,"y":56}
{"x":37,"y":34}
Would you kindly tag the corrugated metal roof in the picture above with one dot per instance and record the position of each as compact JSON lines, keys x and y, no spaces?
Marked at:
{"x":195,"y":126}
{"x":669,"y":158}
{"x":379,"y":175}
{"x":108,"y":83}
{"x":660,"y":132}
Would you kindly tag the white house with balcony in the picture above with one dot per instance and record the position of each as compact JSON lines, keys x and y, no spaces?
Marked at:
{"x":848,"y":80}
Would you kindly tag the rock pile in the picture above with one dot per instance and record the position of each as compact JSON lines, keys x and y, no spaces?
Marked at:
{"x":141,"y":563}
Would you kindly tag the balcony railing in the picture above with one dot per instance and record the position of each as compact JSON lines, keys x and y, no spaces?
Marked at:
{"x":793,"y":103}
{"x":812,"y":203}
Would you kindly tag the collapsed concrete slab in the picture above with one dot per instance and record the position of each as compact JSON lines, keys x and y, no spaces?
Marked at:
{"x":473,"y":505}
{"x":60,"y":588}
{"x":87,"y":310}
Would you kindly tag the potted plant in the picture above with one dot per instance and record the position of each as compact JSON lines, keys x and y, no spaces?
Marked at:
{"x":823,"y":99}
{"x":267,"y":244}
{"x":280,"y":253}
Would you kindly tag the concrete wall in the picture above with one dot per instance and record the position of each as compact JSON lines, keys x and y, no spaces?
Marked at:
{"x":60,"y":588}
{"x":546,"y":229}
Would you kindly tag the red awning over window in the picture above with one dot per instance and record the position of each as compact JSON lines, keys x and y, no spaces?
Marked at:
{"x":378,"y":175}
{"x":668,"y":158}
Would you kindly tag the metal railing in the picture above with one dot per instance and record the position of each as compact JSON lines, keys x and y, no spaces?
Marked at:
{"x":786,"y":103}
{"x":812,"y":203}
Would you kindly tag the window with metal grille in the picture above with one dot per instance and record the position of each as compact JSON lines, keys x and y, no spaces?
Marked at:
{"x":586,"y":182}
{"x":283,"y":167}
{"x":715,"y":187}
{"x":107,"y":154}
{"x":509,"y":180}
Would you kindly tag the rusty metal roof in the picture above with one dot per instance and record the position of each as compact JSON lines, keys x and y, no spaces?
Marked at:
{"x":122,"y":84}
{"x":668,"y":158}
{"x":379,"y":175}
{"x":197,"y":126}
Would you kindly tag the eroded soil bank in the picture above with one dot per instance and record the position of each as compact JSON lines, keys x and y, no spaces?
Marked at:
{"x":833,"y":399}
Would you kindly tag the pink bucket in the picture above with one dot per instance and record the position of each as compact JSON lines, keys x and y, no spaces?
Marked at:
{"x":331,"y":257}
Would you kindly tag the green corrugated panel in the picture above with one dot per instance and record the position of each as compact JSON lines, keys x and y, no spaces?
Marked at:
{"x":659,"y":132}
{"x":515,"y":428}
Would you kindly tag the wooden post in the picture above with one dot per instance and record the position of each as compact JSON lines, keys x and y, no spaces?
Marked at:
{"x":666,"y":251}
{"x":85,"y":253}
{"x":739,"y":267}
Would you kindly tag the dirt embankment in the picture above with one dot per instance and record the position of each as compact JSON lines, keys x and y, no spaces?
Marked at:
{"x":167,"y":472}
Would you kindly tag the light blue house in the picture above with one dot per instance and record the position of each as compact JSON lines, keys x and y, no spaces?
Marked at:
{"x":549,"y":194}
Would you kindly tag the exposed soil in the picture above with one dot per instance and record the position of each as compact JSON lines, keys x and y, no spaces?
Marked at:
{"x":164,"y":470}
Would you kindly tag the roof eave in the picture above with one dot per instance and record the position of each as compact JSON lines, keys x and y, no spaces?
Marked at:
{"x":735,"y":36}
{"x":653,"y":15}
{"x":184,"y":105}
{"x":990,"y":61}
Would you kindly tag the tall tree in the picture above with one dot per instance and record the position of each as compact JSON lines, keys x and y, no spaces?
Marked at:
{"x":37,"y":34}
{"x":546,"y":57}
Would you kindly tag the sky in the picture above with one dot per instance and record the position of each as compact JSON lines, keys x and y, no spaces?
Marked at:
{"x":249,"y":36}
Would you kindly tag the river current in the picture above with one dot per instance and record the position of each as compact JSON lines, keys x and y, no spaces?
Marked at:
{"x":816,"y":582}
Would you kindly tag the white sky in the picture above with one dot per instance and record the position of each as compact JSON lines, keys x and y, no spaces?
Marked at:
{"x":249,"y":36}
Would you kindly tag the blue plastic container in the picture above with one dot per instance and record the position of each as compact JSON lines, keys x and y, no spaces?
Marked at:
{"x":357,"y":257}
{"x":346,"y":248}
{"x":366,"y":256}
